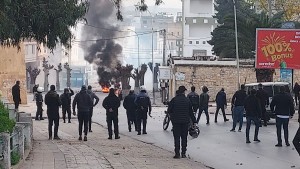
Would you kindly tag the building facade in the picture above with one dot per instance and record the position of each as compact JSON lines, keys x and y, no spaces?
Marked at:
{"x":198,"y":25}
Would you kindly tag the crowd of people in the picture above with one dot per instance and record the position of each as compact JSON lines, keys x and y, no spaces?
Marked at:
{"x":182,"y":109}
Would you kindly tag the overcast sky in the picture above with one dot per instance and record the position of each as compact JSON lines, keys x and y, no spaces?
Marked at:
{"x":166,"y":4}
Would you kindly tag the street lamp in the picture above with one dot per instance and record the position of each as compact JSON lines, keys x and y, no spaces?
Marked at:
{"x":236,"y":44}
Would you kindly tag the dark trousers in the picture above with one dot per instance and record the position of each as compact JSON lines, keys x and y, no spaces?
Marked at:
{"x":282,"y":122}
{"x":90,"y":119}
{"x":296,"y":141}
{"x":112,"y":118}
{"x":131,"y":119}
{"x":238,"y":114}
{"x":297,"y":98}
{"x":265,"y":117}
{"x":83,"y":118}
{"x":52,"y":120}
{"x":180,"y":132}
{"x":16,"y":104}
{"x":217,"y":112}
{"x":141,"y":118}
{"x":66,"y":110}
{"x":201,"y":109}
{"x":39,"y":111}
{"x":256,"y":122}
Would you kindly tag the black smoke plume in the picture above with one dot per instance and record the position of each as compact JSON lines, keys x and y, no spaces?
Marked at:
{"x":98,"y":37}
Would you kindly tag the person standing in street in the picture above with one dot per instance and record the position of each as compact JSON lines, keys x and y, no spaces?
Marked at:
{"x":16,"y":94}
{"x":284,"y":109}
{"x":39,"y":103}
{"x":296,"y":91}
{"x":112,"y":103}
{"x":94,"y":97}
{"x":253,"y":113}
{"x":84,"y":102}
{"x":130,"y":107}
{"x":194,"y":98}
{"x":296,"y":140}
{"x":53,"y":102}
{"x":204,"y":100}
{"x":181,"y":113}
{"x":221,"y":104}
{"x":143,"y":104}
{"x":66,"y":103}
{"x":263,"y":96}
{"x":237,"y":103}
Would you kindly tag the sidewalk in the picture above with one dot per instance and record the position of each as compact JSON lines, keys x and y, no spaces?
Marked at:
{"x":96,"y":153}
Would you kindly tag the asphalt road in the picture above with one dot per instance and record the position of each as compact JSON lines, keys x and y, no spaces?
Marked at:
{"x":216,"y":146}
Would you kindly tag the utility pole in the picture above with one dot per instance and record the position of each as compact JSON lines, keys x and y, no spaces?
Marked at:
{"x":236,"y":45}
{"x":163,"y":83}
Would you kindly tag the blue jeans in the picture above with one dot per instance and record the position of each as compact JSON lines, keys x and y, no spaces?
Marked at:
{"x":238,"y":112}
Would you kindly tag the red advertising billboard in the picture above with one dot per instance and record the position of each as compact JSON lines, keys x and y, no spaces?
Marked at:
{"x":277,"y":48}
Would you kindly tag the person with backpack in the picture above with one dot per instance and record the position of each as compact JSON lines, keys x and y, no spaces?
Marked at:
{"x":39,"y":103}
{"x":66,"y":103}
{"x":143,"y":104}
{"x":130,"y":107}
{"x":204,"y":99}
{"x":94,"y":97}
{"x":221,"y":104}
{"x":194,"y":98}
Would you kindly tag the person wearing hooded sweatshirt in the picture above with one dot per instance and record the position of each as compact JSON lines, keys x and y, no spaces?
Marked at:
{"x":194,"y":98}
{"x":143,"y":104}
{"x":84,"y":102}
{"x":112,"y":103}
{"x":66,"y":103}
{"x":53,"y":102}
{"x":130,"y":107}
{"x":39,"y":103}
{"x":237,"y":103}
{"x":221,"y":104}
{"x":94,"y":97}
{"x":284,"y":110}
{"x":204,"y":99}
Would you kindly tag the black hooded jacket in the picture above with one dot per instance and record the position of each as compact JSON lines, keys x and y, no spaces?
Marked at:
{"x":111,"y":102}
{"x":53,"y":102}
{"x":83,"y":101}
{"x":128,"y":103}
{"x":252,"y":106}
{"x":283,"y":104}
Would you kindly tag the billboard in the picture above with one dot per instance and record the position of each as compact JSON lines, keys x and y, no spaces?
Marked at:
{"x":277,"y":48}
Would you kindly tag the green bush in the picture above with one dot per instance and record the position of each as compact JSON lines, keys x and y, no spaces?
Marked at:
{"x":6,"y":124}
{"x":14,"y":158}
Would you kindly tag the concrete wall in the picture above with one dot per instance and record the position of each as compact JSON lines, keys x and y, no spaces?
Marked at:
{"x":216,"y":77}
{"x":12,"y":68}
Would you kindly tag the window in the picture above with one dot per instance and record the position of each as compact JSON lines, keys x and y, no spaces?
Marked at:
{"x":144,"y":22}
{"x":197,"y":42}
{"x":204,"y":42}
{"x":190,"y":42}
{"x":26,"y":49}
{"x":180,"y":49}
{"x":33,"y":49}
{"x":205,"y":20}
{"x":194,"y":20}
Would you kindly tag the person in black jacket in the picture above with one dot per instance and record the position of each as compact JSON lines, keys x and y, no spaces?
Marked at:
{"x":181,"y":113}
{"x":253,"y":113}
{"x":296,"y":140}
{"x":84,"y":102}
{"x":143,"y":104}
{"x":94,"y":97}
{"x":263,"y":96}
{"x":284,"y":109}
{"x":53,"y":102}
{"x":112,"y":103}
{"x":66,"y":103}
{"x":130,"y":107}
{"x":296,"y":91}
{"x":16,"y":94}
{"x":237,"y":103}
{"x":194,"y":98}
{"x":203,"y":106}
{"x":221,"y":104}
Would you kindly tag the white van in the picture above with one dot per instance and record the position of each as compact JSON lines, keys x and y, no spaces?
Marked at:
{"x":272,"y":88}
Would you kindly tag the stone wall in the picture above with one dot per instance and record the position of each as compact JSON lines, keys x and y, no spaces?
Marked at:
{"x":12,"y":68}
{"x":217,"y":77}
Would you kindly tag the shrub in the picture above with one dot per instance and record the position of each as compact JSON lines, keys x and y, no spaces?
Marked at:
{"x":14,"y":158}
{"x":6,"y":124}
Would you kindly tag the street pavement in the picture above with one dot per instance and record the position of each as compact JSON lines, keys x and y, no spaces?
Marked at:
{"x":98,"y":152}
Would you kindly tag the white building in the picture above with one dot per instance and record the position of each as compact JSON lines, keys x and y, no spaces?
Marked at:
{"x":199,"y":23}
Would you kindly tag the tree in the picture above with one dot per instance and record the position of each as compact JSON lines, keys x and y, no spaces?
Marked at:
{"x":33,"y":73}
{"x":125,"y":72}
{"x":290,"y":8}
{"x":136,"y":76}
{"x":142,"y":74}
{"x":47,"y":22}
